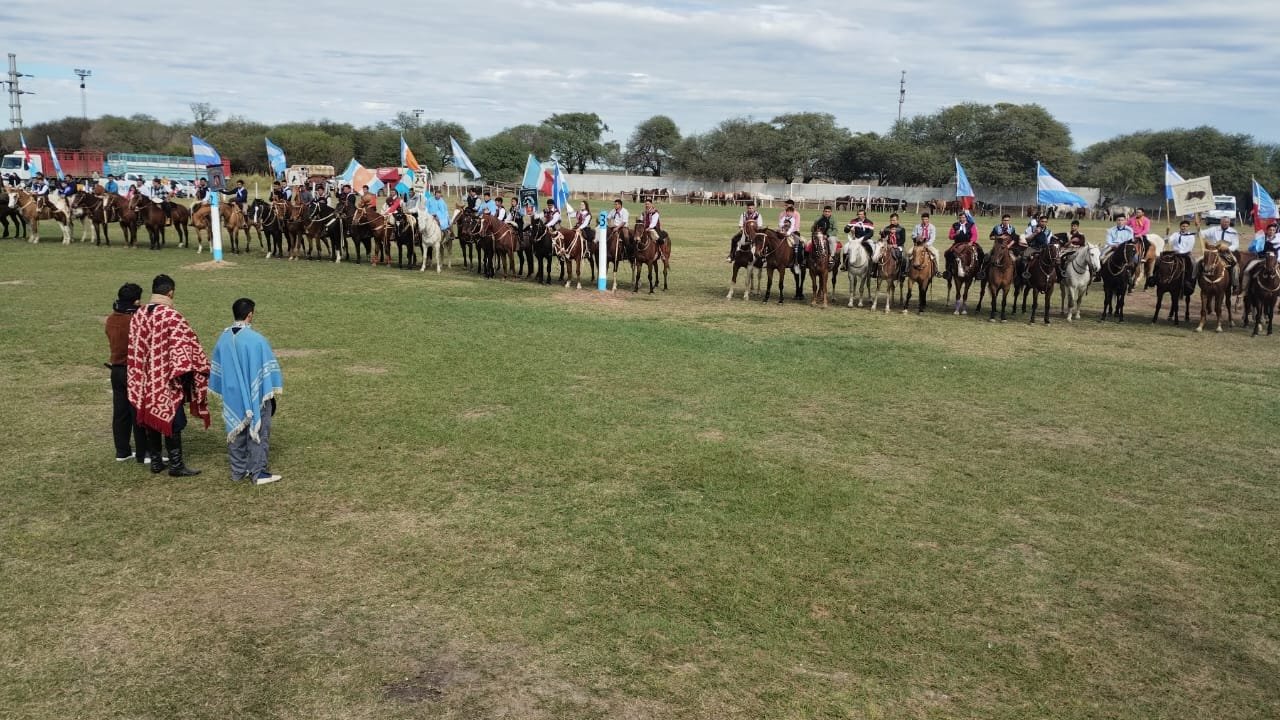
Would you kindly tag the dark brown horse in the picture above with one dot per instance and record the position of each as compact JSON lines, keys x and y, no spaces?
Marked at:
{"x":774,"y":250}
{"x":819,"y":259}
{"x":1264,"y":288}
{"x":743,"y":257}
{"x":151,"y":214}
{"x":621,"y":245}
{"x":921,"y":271}
{"x":1042,"y":275}
{"x":571,"y":247}
{"x":648,"y":253}
{"x":379,"y":230}
{"x":1117,"y":277}
{"x":295,"y":225}
{"x":1172,"y":276}
{"x":11,"y":214}
{"x":466,"y":225}
{"x":1001,"y":269}
{"x":964,"y":266}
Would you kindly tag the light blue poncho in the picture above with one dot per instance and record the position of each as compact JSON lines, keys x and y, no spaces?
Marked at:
{"x":245,"y":373}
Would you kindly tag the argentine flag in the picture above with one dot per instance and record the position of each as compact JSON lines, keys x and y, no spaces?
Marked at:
{"x":1171,"y":178}
{"x":53,"y":154}
{"x":561,"y":189}
{"x":203,"y":153}
{"x":1051,"y":191}
{"x":275,"y":158}
{"x":460,"y":159}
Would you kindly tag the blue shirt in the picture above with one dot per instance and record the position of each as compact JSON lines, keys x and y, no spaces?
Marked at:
{"x":112,"y":187}
{"x":489,"y":207}
{"x":1119,"y":235}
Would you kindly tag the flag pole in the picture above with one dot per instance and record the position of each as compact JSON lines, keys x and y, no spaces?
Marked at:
{"x":1168,"y":217}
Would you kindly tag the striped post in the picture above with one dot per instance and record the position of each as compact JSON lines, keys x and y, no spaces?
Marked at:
{"x":215,"y":226}
{"x":602,"y":252}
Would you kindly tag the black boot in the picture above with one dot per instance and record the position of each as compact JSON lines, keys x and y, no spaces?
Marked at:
{"x":157,"y":457}
{"x":176,"y":467}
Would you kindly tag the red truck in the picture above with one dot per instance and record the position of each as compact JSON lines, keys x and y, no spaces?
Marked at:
{"x":75,"y":163}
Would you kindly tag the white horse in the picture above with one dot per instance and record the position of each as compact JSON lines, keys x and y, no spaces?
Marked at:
{"x":433,"y":241}
{"x":857,"y":265}
{"x":1076,"y":278}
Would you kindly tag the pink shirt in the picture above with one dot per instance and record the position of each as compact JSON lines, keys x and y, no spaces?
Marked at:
{"x":1140,"y":225}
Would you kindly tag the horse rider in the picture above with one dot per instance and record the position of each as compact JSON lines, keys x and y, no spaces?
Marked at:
{"x":652,"y":222}
{"x":394,"y":209}
{"x":789,"y":227}
{"x":824,"y":230}
{"x":582,"y":223}
{"x":367,"y":199}
{"x":1140,"y":224}
{"x":894,"y":237}
{"x":1181,"y":244}
{"x":414,"y":205}
{"x":925,"y":233}
{"x":963,"y":231}
{"x":487,"y":206}
{"x":1227,"y":240}
{"x":1002,"y":233}
{"x":750,"y":214}
{"x":347,"y":196}
{"x":472,"y":199}
{"x":277,"y":192}
{"x":240,"y":195}
{"x":1035,"y":240}
{"x":1265,"y":242}
{"x":40,"y":189}
{"x":112,"y":186}
{"x":159,"y":195}
{"x":500,"y":211}
{"x":1118,"y":236}
{"x":862,"y":230}
{"x":437,"y":206}
{"x":618,"y":217}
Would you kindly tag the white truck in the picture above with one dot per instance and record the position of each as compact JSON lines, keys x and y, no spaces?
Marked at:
{"x":13,"y":164}
{"x":1224,"y":206}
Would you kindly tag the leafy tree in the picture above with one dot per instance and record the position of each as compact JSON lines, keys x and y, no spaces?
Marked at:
{"x":737,"y":149}
{"x":575,"y":139}
{"x":536,"y":139}
{"x":651,"y":145}
{"x":807,"y":145}
{"x":500,"y":157}
{"x":1123,"y":174}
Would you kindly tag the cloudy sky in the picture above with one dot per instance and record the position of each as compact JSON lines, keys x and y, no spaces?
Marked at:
{"x":1103,"y":67}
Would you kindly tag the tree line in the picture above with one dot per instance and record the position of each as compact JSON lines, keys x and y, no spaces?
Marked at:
{"x":998,"y":144}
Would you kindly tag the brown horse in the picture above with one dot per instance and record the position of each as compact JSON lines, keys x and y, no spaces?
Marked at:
{"x":621,"y":245}
{"x":888,"y":268}
{"x":500,"y":239}
{"x":921,"y":272}
{"x":90,"y":209}
{"x":180,"y":218}
{"x":743,"y":257}
{"x":1264,"y":288}
{"x":202,"y":223}
{"x":964,"y":266}
{"x":774,"y":250}
{"x":1042,"y":272}
{"x":819,"y":259}
{"x":8,"y":214}
{"x":1215,"y":287}
{"x":1172,"y":275}
{"x":648,"y":253}
{"x":295,"y":225}
{"x":571,"y":247}
{"x":151,"y":214}
{"x":466,"y":225}
{"x":379,"y":230}
{"x":34,"y":209}
{"x":1001,"y":269}
{"x":234,"y":222}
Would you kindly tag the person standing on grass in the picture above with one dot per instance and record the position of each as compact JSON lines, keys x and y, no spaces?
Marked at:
{"x":247,"y":377}
{"x":123,"y":423}
{"x":166,"y":368}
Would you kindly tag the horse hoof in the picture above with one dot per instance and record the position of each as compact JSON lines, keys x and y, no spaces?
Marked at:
{"x":1219,"y":329}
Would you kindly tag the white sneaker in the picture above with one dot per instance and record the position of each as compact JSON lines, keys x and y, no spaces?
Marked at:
{"x":126,"y":458}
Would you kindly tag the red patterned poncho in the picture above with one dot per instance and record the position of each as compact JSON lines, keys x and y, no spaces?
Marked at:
{"x":162,"y":349}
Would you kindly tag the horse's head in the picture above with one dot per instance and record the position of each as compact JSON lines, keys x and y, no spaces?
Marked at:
{"x":1094,"y":254}
{"x":13,"y":199}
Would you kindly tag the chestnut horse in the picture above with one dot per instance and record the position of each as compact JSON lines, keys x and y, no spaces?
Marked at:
{"x":774,"y":249}
{"x":499,"y":239}
{"x":888,"y":267}
{"x":648,"y":253}
{"x":234,"y":222}
{"x":1215,"y":287}
{"x":571,"y":247}
{"x":1264,"y":287}
{"x":1001,"y":269}
{"x":34,"y":209}
{"x":920,"y":272}
{"x":621,"y":245}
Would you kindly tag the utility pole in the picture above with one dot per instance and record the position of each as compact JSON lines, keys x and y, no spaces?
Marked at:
{"x":15,"y":93}
{"x":417,"y":114}
{"x":84,"y":103}
{"x":902,"y":93}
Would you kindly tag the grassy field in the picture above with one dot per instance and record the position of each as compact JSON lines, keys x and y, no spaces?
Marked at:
{"x":505,"y":500}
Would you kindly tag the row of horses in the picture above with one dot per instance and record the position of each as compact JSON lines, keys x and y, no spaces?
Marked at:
{"x":1006,"y":270}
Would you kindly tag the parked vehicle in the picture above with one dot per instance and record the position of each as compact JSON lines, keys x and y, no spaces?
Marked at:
{"x":172,"y":167}
{"x":75,"y":163}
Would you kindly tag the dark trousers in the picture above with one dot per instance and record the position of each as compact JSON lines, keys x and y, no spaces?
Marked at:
{"x":123,"y":426}
{"x":154,"y":436}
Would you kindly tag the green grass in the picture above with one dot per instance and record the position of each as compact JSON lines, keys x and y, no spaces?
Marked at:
{"x":504,"y":500}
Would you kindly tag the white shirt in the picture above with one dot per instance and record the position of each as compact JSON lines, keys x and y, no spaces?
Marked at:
{"x":555,"y":220}
{"x":1220,"y":234}
{"x":1182,"y":242}
{"x":789,"y":224}
{"x":653,"y":221}
{"x":502,"y":213}
{"x":619,"y":217}
{"x":742,"y":219}
{"x":1117,"y":236}
{"x":584,"y":219}
{"x":927,"y":233}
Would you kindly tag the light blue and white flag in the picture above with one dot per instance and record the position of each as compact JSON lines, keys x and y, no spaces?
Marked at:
{"x":1171,"y":178}
{"x":561,"y":186}
{"x":53,"y":154}
{"x":1051,"y":191}
{"x":203,"y":153}
{"x":275,"y":157}
{"x":460,"y":159}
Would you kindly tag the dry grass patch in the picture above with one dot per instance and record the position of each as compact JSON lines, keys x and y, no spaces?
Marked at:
{"x":210,"y":265}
